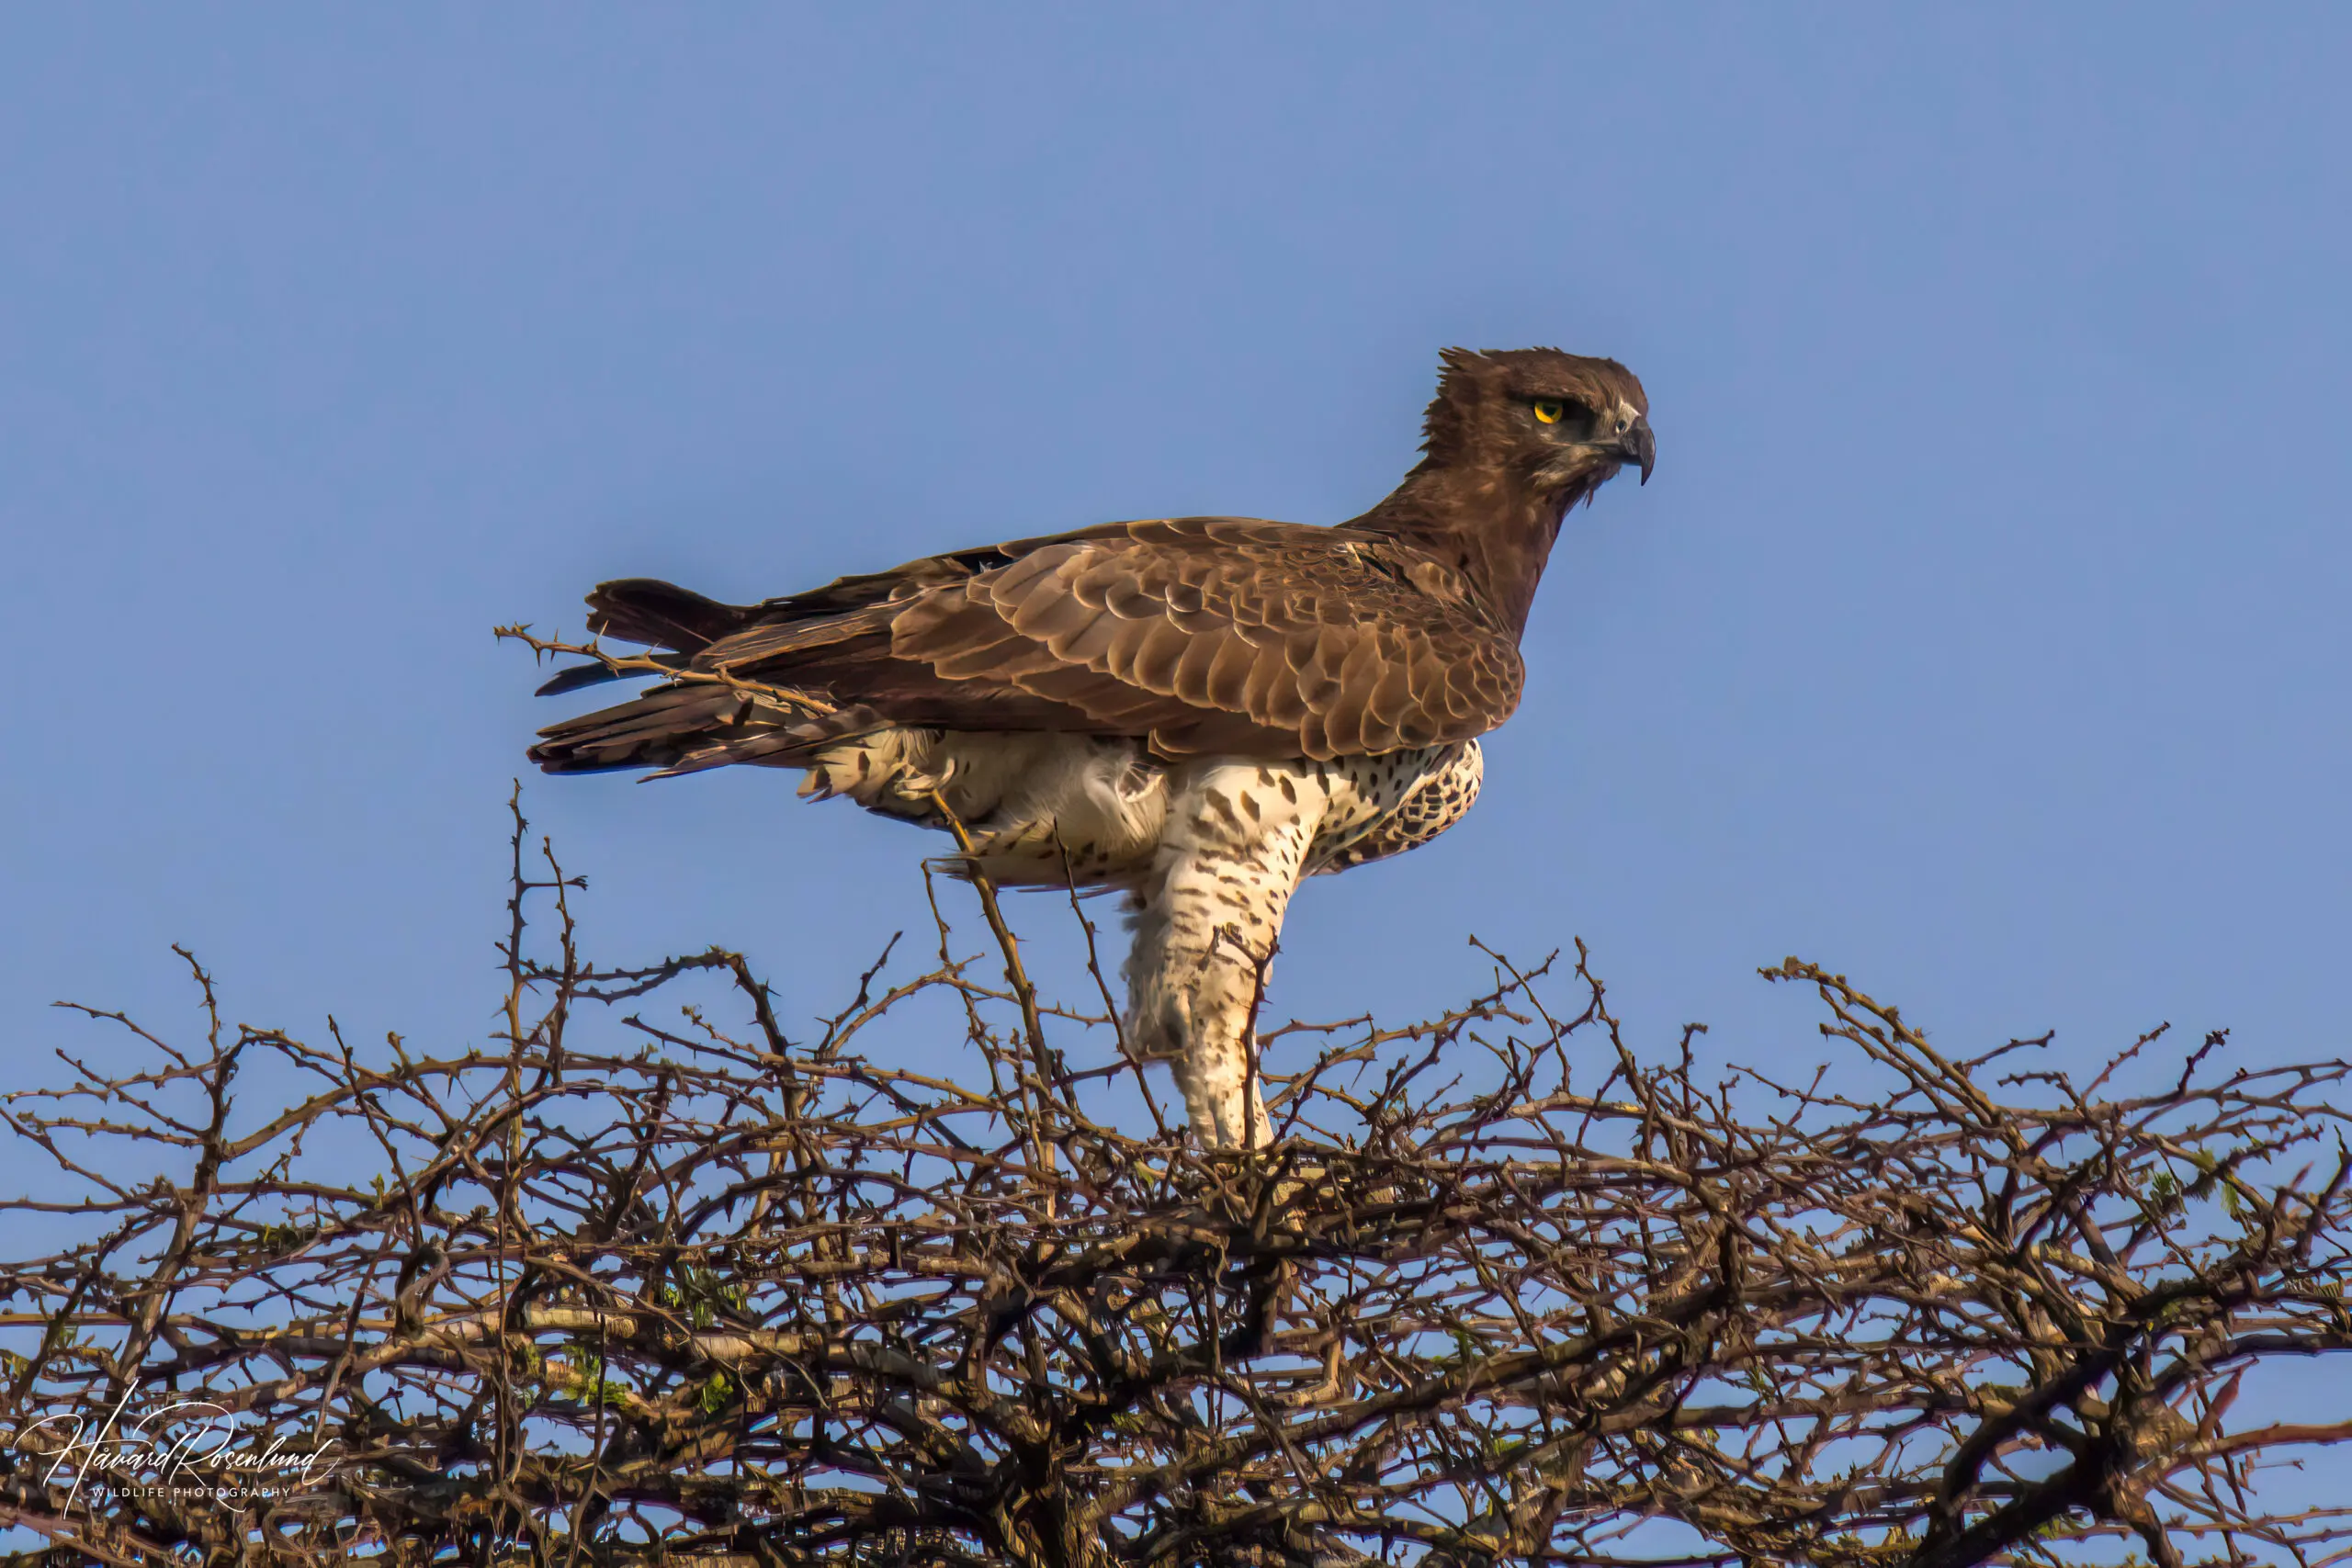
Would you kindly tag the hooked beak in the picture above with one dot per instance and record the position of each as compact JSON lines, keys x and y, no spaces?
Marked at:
{"x":1639,"y":445}
{"x":1578,"y":463}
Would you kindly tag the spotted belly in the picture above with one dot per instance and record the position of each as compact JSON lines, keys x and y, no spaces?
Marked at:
{"x":1437,"y":792}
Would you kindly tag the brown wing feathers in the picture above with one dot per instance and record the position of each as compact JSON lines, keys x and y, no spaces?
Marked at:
{"x":1202,"y":633}
{"x":1253,"y":635}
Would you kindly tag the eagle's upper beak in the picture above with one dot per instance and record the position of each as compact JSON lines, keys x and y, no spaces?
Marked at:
{"x":1639,"y":445}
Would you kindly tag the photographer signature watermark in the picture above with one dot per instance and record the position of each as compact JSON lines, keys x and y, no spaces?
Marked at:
{"x":189,"y":1450}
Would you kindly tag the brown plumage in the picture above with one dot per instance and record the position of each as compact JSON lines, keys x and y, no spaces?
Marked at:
{"x":1200,"y":636}
{"x":1200,"y":710}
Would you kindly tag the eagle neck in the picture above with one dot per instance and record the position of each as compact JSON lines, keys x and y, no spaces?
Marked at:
{"x":1495,"y":528}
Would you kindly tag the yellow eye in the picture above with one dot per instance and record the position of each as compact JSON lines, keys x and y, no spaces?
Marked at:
{"x":1548,"y":409}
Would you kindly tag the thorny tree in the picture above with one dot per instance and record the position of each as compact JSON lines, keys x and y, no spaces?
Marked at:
{"x":685,"y":1288}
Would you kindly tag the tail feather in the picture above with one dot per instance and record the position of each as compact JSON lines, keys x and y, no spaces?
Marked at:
{"x":649,"y":731}
{"x":688,"y":725}
{"x":779,"y":638}
{"x":685,"y":728}
{"x":580,"y":675}
{"x":658,"y":614}
{"x":662,"y":615}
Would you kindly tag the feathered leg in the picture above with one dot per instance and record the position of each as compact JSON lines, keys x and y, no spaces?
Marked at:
{"x":1228,"y":860}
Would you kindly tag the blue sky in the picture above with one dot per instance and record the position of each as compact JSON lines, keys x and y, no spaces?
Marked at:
{"x":1982,"y":634}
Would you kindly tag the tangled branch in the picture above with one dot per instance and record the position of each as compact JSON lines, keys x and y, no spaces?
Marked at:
{"x":620,"y":1287}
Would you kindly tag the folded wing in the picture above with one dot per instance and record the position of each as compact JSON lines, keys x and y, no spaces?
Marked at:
{"x":1204,"y":635}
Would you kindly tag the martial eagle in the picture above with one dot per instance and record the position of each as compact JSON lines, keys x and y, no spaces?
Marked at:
{"x":1197,"y":710}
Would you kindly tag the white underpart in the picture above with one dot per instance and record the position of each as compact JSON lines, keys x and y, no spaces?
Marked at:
{"x":1239,"y":836}
{"x":1209,"y":849}
{"x":1044,"y":810}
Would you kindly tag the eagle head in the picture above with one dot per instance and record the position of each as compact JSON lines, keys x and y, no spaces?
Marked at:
{"x":1563,"y":421}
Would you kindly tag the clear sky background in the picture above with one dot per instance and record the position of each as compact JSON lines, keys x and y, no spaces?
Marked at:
{"x":1982,"y":634}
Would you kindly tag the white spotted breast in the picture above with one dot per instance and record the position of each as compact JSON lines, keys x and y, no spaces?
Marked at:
{"x":1403,"y":800}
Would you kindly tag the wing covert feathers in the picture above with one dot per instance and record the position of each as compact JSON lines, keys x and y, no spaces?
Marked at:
{"x":1204,"y":635}
{"x":1222,"y":634}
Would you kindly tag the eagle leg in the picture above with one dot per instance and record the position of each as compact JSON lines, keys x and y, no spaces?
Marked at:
{"x":1209,"y":914}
